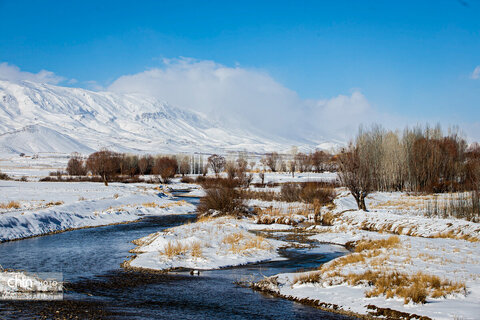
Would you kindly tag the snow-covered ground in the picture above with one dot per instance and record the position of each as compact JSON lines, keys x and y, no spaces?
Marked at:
{"x":207,"y":244}
{"x":33,"y":168}
{"x":35,"y":208}
{"x":424,"y":247}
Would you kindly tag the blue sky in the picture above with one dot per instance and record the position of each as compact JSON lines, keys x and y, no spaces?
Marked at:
{"x":411,"y":59}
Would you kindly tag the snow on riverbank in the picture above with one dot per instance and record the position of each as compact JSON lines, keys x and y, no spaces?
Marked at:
{"x":207,"y":244}
{"x":431,"y":259}
{"x":38,"y":208}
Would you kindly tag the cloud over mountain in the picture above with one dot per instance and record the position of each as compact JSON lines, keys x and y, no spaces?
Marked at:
{"x":248,"y":97}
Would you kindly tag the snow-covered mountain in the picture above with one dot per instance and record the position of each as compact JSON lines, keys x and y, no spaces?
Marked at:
{"x":45,"y":118}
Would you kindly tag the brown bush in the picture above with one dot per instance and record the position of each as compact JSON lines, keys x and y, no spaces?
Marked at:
{"x":321,"y":192}
{"x":207,"y":182}
{"x":104,"y":163}
{"x":290,"y":192}
{"x":186,"y":179}
{"x":222,"y":200}
{"x":4,"y":176}
{"x":165,"y":167}
{"x":309,"y":192}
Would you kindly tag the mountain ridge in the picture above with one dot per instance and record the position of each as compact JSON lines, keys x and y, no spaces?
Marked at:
{"x":62,"y":118}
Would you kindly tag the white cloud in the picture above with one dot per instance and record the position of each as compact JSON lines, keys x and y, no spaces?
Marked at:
{"x":476,"y":73}
{"x":13,"y":73}
{"x":250,"y":97}
{"x":93,"y":85}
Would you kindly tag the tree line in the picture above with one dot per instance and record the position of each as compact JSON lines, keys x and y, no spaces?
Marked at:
{"x":417,"y":160}
{"x":107,"y":164}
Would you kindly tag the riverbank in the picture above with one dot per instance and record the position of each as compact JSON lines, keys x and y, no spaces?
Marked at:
{"x":29,"y":209}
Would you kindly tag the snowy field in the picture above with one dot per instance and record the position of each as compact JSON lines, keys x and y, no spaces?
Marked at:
{"x":35,"y":208}
{"x":33,"y":168}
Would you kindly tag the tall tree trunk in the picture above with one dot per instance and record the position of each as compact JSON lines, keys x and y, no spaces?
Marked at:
{"x":361,"y":203}
{"x":105,"y":180}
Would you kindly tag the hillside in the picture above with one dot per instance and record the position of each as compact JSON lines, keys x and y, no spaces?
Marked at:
{"x":45,"y":118}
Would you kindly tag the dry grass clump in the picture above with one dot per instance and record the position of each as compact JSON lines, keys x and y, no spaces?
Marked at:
{"x":388,"y":243}
{"x":233,"y":239}
{"x":150,"y":204}
{"x":308,"y":277}
{"x":196,"y":249}
{"x":257,"y":242}
{"x":452,"y":235}
{"x":54,"y":203}
{"x":275,"y":215}
{"x":163,"y":206}
{"x":173,"y":249}
{"x":327,"y":218}
{"x":205,"y":218}
{"x":239,"y":243}
{"x":10,"y":205}
{"x":343,"y":261}
{"x":416,"y":288}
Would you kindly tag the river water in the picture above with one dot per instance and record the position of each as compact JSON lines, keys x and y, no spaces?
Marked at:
{"x":98,"y":288}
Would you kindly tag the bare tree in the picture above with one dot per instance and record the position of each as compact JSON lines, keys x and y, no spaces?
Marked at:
{"x":76,"y":166}
{"x":143,"y":165}
{"x":165,"y":167}
{"x":216,"y":163}
{"x":261,"y":175}
{"x":271,"y":161}
{"x":184,"y":165}
{"x":318,"y":160}
{"x":104,"y":163}
{"x":231,"y":169}
{"x":354,"y":173}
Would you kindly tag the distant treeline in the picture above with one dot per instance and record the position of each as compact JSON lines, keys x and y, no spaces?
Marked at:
{"x":107,"y":164}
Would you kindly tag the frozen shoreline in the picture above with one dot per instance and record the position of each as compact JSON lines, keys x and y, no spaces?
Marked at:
{"x":45,"y":208}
